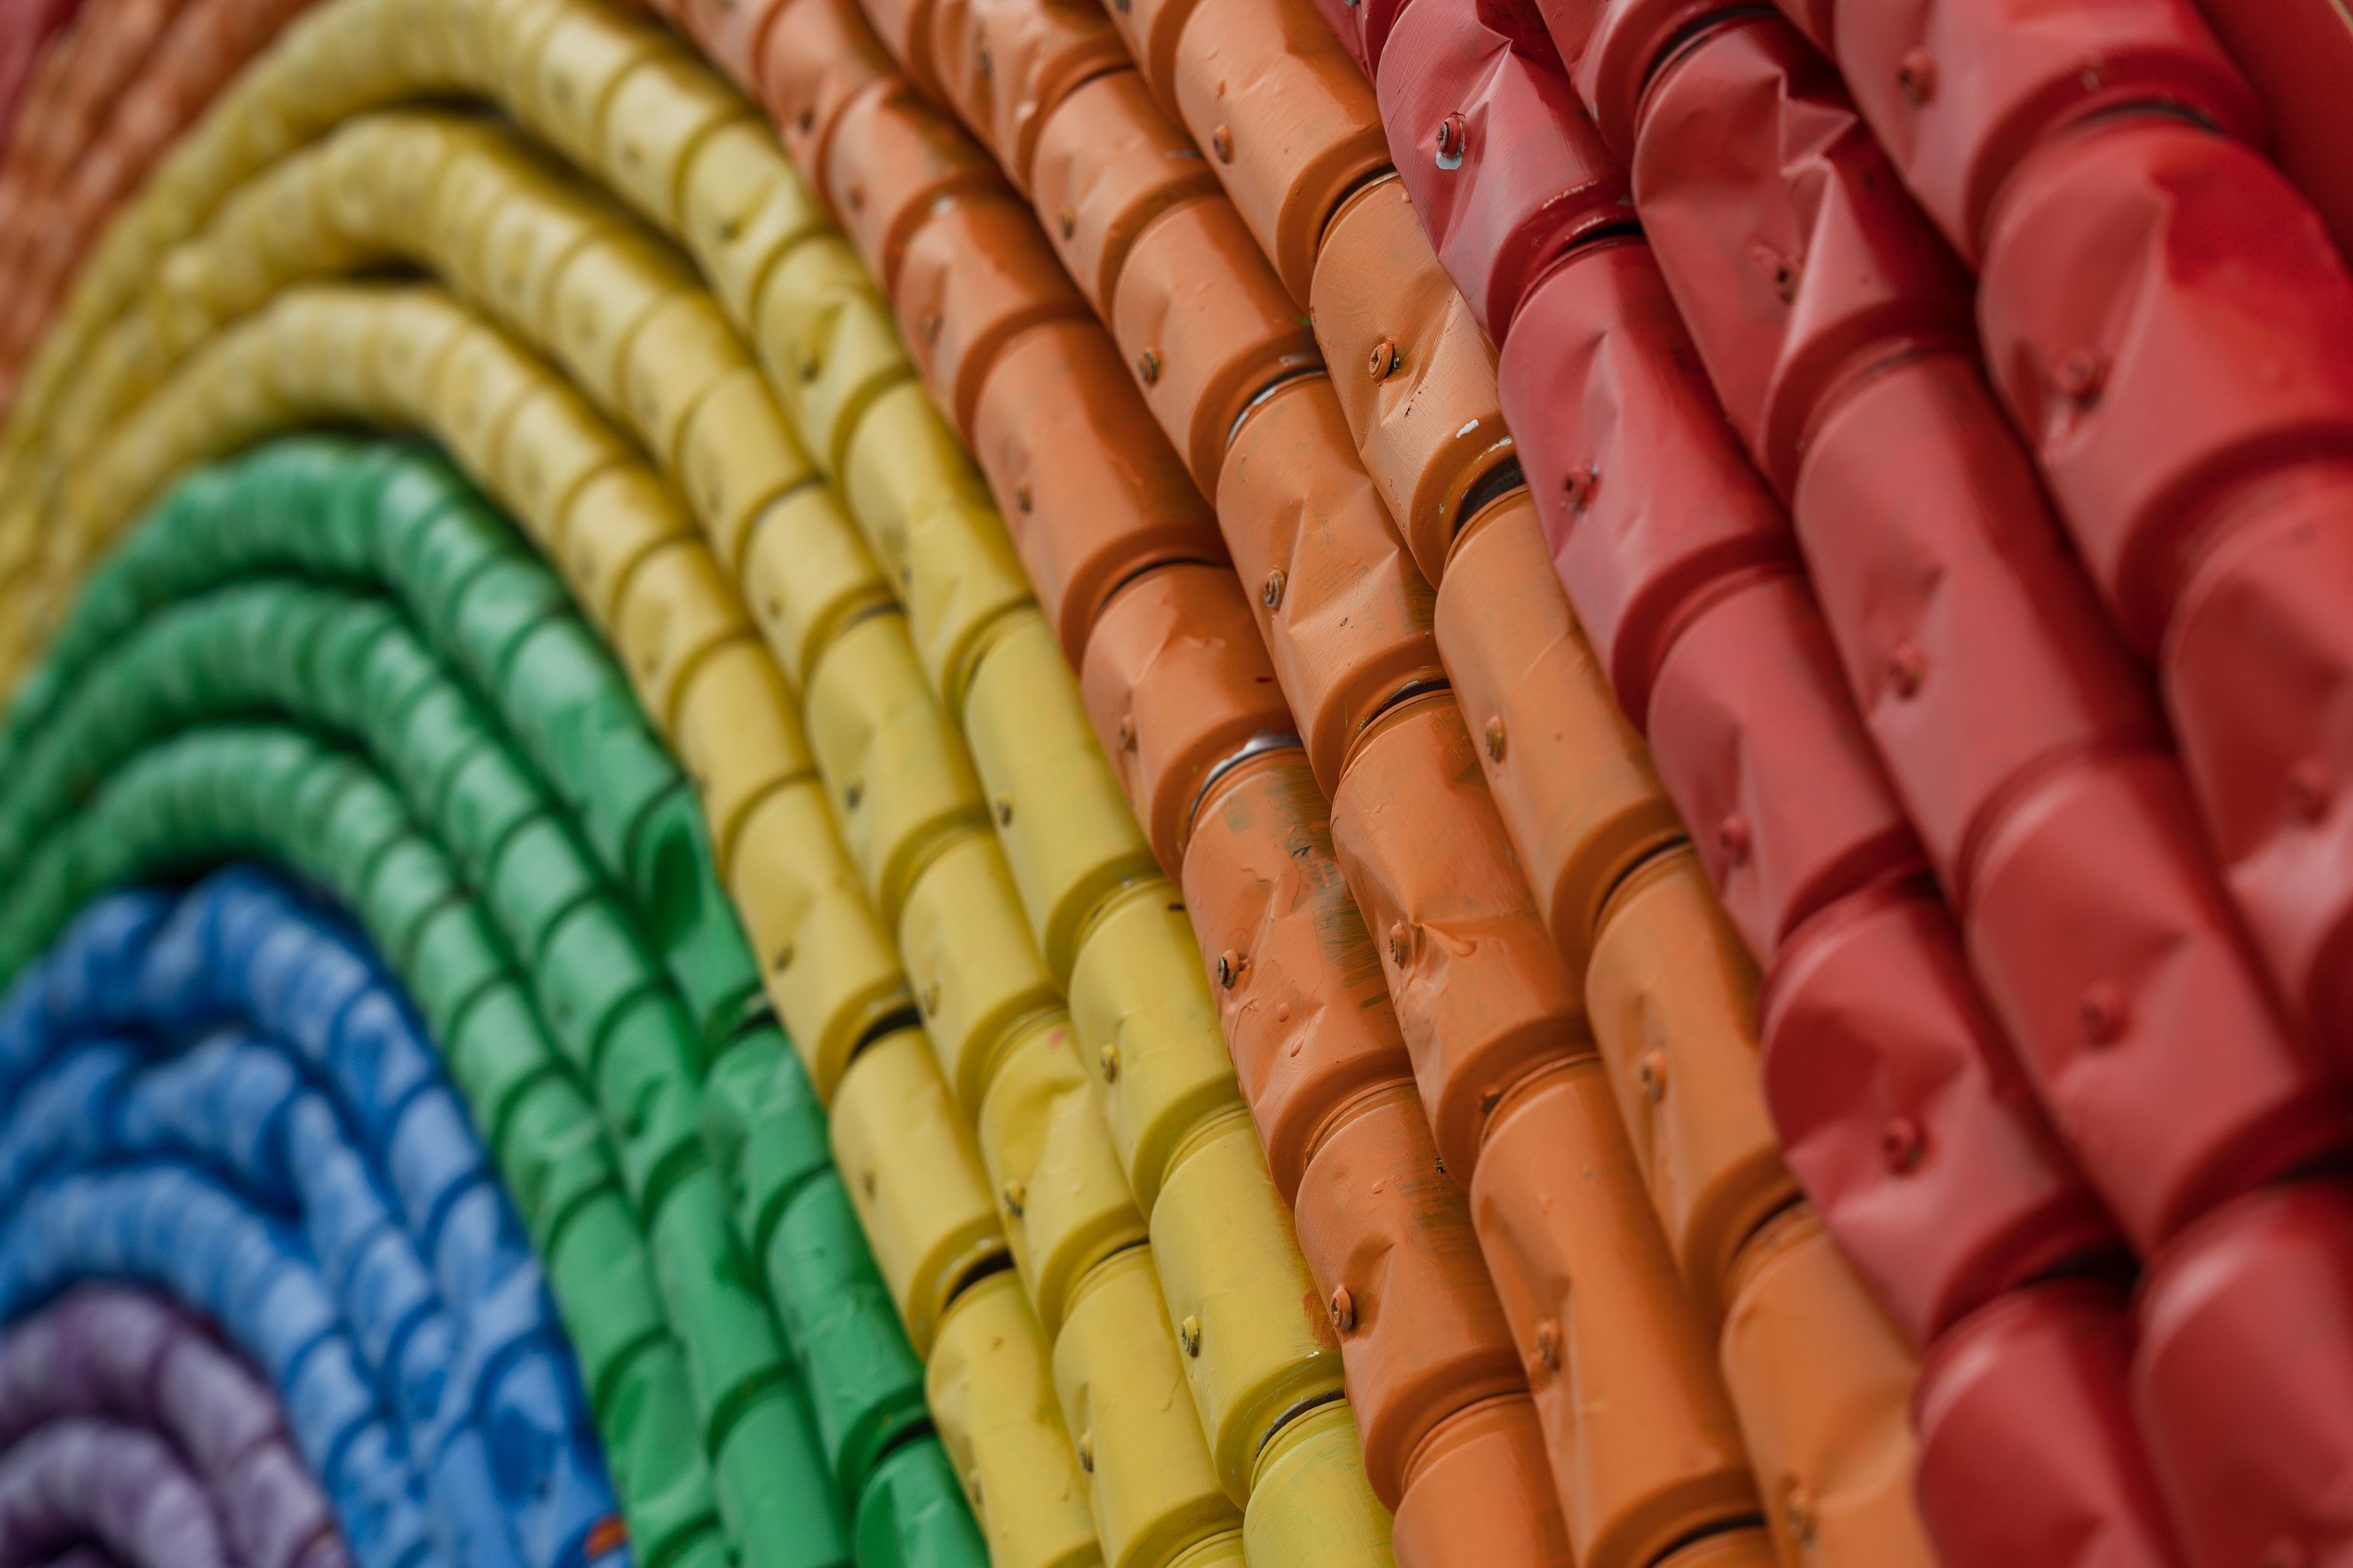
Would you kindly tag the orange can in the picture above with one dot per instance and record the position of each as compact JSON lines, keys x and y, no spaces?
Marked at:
{"x":1206,"y":327}
{"x":1299,"y":990}
{"x":1672,"y":995}
{"x":1345,"y":613}
{"x":1152,"y":28}
{"x":1571,"y":777}
{"x":1478,"y":1494}
{"x":1386,"y":1233}
{"x":815,"y":56}
{"x":978,"y":275}
{"x":1823,"y":1387}
{"x":1645,"y":1448}
{"x":1006,"y":65}
{"x":905,"y":28}
{"x":894,"y":157}
{"x":730,"y":33}
{"x":1108,"y":163}
{"x":1266,"y":86}
{"x":1481,"y":993}
{"x":1091,"y":491}
{"x":1176,"y":681}
{"x":1414,"y":370}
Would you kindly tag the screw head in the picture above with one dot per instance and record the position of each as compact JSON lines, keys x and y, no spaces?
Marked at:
{"x":1496,"y":739}
{"x":1148,"y":367}
{"x":1578,"y":484}
{"x":1902,"y":1142}
{"x":1797,"y":1514}
{"x":1383,"y":362}
{"x":1733,"y":836}
{"x":2081,"y":377}
{"x":1453,"y":139}
{"x":1108,"y":1059}
{"x":2101,"y":1014}
{"x":1230,"y":969}
{"x":1222,"y":143}
{"x":1188,"y":1334}
{"x":1344,"y":1310}
{"x":1907,"y":668}
{"x":1915,"y":76}
{"x":1269,"y":593}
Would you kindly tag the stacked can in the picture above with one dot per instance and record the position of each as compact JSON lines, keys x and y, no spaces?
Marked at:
{"x":2066,"y":165}
{"x":1836,"y":327}
{"x":1066,"y":879}
{"x":1180,"y":692}
{"x":138,"y":73}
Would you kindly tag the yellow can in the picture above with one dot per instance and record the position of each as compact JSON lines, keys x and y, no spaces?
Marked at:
{"x":511,"y":38}
{"x":554,"y":445}
{"x":990,"y":1384}
{"x":474,"y":182}
{"x":615,"y":522}
{"x":927,"y":512}
{"x":682,"y":352}
{"x":742,"y":207}
{"x":825,"y":961}
{"x":301,"y":240}
{"x":1219,"y":1552}
{"x":1065,"y":1205}
{"x":829,"y":343}
{"x":1149,"y":1032}
{"x":976,"y":971}
{"x":1068,"y":831}
{"x":738,"y":737}
{"x":485,"y":379}
{"x":1118,"y":1371}
{"x":915,"y":1178}
{"x":1258,"y":1342}
{"x":901,"y":783}
{"x":652,"y":123}
{"x":807,"y":575}
{"x":675,"y":610}
{"x":410,"y":330}
{"x":1310,"y":1505}
{"x":307,"y":68}
{"x":526,"y":242}
{"x":602,"y":294}
{"x":579,"y":62}
{"x":338,"y":346}
{"x":735,"y":456}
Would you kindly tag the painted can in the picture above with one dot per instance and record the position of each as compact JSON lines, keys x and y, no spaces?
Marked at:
{"x":1118,"y":1373}
{"x":1059,"y":1190}
{"x":915,"y":1179}
{"x":989,"y":1384}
